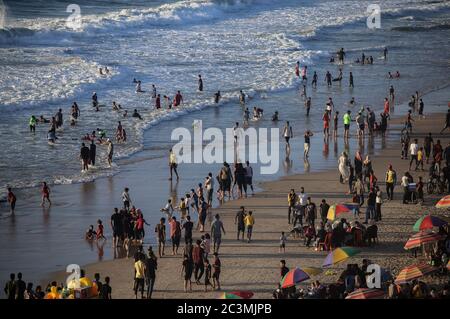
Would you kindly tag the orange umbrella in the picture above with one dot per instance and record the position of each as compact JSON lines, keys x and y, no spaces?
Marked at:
{"x":444,"y":202}
{"x":366,"y":293}
{"x":413,"y":272}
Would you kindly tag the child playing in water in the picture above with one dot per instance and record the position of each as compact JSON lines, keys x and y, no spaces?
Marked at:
{"x":90,"y":233}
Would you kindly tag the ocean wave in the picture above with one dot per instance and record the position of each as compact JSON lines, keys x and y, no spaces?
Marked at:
{"x":422,"y":28}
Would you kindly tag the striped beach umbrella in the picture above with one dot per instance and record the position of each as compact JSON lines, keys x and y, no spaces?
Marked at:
{"x":236,"y":295}
{"x":339,"y":254}
{"x":444,"y":202}
{"x":335,"y":210}
{"x":422,"y":238}
{"x":428,"y":222}
{"x":366,"y":293}
{"x":413,"y":272}
{"x":293,"y":277}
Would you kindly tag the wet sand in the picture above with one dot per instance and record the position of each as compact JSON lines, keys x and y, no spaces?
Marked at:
{"x":254,"y":266}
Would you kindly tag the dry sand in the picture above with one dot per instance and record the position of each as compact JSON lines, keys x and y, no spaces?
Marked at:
{"x":254,"y":266}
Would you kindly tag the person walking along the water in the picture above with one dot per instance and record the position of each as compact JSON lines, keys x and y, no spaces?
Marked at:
{"x":45,"y":194}
{"x":307,"y":143}
{"x":84,"y":157}
{"x":347,"y":119}
{"x":11,"y":198}
{"x":173,"y":164}
{"x":287,"y":133}
{"x":160,"y":231}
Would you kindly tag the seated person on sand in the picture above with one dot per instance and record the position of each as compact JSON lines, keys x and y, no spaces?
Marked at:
{"x":136,"y":114}
{"x":90,"y":233}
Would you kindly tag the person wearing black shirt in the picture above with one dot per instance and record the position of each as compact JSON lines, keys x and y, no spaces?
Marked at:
{"x":106,"y":290}
{"x":84,"y":156}
{"x":116,"y":225}
{"x":283,"y":269}
{"x":447,"y":121}
{"x":188,"y":226}
{"x":371,"y":201}
{"x":324,"y":207}
{"x":151,"y":265}
{"x":21,"y":286}
{"x":92,"y":152}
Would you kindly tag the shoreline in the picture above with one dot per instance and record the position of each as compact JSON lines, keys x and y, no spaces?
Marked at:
{"x":270,"y":208}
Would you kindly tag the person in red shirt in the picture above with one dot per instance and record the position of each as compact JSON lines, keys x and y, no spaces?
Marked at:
{"x":11,"y":200}
{"x":45,"y":194}
{"x":100,"y":230}
{"x":386,"y":106}
{"x":197,"y":257}
{"x":326,"y":123}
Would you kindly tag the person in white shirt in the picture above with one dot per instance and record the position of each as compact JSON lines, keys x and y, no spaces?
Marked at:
{"x":168,"y":209}
{"x":209,"y":184}
{"x":405,"y":184}
{"x":236,"y":132}
{"x":302,"y":202}
{"x":413,"y":149}
{"x":126,"y":199}
{"x":287,"y":133}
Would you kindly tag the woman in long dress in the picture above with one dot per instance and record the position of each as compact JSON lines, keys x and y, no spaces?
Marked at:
{"x":343,"y":166}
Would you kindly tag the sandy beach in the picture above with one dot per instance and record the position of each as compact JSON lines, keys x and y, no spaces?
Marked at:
{"x":255,"y":266}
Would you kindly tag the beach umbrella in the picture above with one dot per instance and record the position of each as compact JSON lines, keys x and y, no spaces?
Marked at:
{"x":335,"y":210}
{"x":366,"y":293}
{"x":444,"y":202}
{"x":448,"y":265}
{"x":428,"y":222}
{"x":413,"y":272}
{"x":339,"y":254}
{"x":293,"y":277}
{"x":312,"y":271}
{"x":422,"y":238}
{"x":236,"y":295}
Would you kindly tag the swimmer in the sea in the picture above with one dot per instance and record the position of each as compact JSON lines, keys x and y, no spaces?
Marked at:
{"x":136,"y":114}
{"x":241,"y":97}
{"x":153,"y":91}
{"x":352,"y":101}
{"x":167,"y":102}
{"x":138,"y":87}
{"x":217,"y":97}
{"x":275,"y":116}
{"x":42,"y":119}
{"x":59,"y":118}
{"x":95,"y":101}
{"x":200,"y":83}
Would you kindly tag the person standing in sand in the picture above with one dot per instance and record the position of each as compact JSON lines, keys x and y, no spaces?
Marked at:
{"x":391,"y":180}
{"x":187,"y":269}
{"x":216,"y":233}
{"x":447,"y":121}
{"x":249,"y":221}
{"x":45,"y":194}
{"x":239,"y":221}
{"x":160,"y":231}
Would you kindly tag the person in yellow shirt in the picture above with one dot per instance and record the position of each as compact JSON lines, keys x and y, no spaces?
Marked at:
{"x":249,"y":221}
{"x":139,"y":276}
{"x":292,"y":201}
{"x":420,"y":159}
